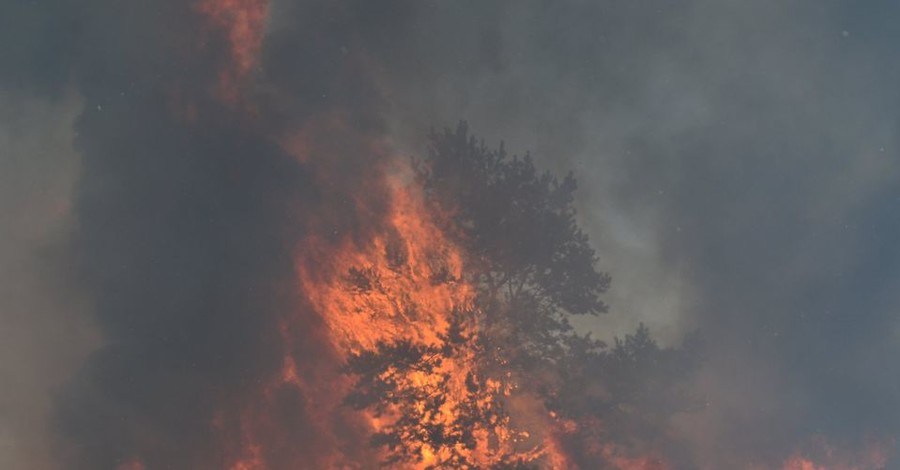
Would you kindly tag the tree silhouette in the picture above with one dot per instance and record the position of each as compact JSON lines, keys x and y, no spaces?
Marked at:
{"x":533,"y":268}
{"x":384,"y":387}
{"x":625,"y":395}
{"x":519,"y":226}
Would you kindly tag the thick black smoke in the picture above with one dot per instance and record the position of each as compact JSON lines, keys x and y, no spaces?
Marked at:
{"x":737,"y":162}
{"x":181,"y":241}
{"x":187,"y":210}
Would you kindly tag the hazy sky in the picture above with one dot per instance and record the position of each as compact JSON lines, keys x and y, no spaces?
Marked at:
{"x":738,"y":166}
{"x":737,"y":161}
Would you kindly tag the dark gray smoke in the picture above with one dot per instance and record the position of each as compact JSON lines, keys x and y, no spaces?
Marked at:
{"x":737,"y":164}
{"x":187,"y":212}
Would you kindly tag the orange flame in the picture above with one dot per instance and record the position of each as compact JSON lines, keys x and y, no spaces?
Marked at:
{"x":874,"y":456}
{"x":243,"y":22}
{"x":413,"y":278}
{"x":404,"y":303}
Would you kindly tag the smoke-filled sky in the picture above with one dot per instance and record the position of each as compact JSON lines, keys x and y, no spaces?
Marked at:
{"x":737,"y":165}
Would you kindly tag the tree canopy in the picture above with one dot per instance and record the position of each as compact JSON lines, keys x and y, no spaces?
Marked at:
{"x":533,"y":268}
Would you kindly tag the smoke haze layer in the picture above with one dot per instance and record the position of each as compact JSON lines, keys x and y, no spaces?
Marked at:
{"x":738,"y":174}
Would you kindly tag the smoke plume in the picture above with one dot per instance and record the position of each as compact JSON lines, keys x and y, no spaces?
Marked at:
{"x":175,"y":175}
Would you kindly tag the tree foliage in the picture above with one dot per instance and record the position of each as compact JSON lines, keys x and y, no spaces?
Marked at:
{"x":532,"y":262}
{"x":385,"y":388}
{"x":533,"y":268}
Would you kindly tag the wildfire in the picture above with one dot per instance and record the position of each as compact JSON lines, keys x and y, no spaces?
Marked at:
{"x":386,"y":289}
{"x":399,"y":284}
{"x":403,"y":286}
{"x":399,"y":287}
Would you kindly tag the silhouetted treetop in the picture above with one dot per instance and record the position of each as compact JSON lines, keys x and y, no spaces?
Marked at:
{"x":518,"y":222}
{"x":533,"y":268}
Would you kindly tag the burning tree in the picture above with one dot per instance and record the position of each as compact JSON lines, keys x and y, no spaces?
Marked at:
{"x":532,"y":265}
{"x":500,"y":386}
